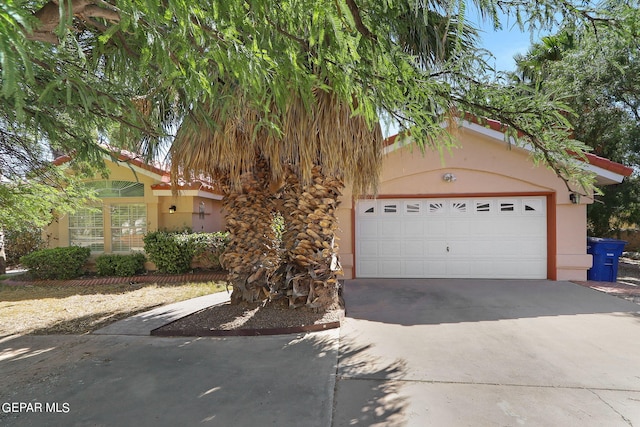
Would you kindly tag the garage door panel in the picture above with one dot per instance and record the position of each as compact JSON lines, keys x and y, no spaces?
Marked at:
{"x":413,"y":227}
{"x":414,"y":268}
{"x":390,"y":228}
{"x":436,"y":247}
{"x":483,"y":268}
{"x":459,"y":250}
{"x":484,"y":227}
{"x":390,"y":248}
{"x":391,"y":268}
{"x":522,"y":269}
{"x":459,"y":228}
{"x":484,"y":246}
{"x":533,"y":248}
{"x":485,"y":238}
{"x":367,"y":228}
{"x":413,"y":248}
{"x":435,"y":227}
{"x":368,"y":267}
{"x":368,"y":248}
{"x":508,"y":248}
{"x":435,"y":268}
{"x":458,"y":269}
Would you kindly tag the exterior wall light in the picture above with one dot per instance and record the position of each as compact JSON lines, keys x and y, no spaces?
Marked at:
{"x":449,"y":177}
{"x":172,"y":209}
{"x":575,"y":198}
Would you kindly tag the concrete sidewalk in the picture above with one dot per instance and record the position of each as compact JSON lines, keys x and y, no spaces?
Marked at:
{"x":115,"y":380}
{"x":143,"y":323}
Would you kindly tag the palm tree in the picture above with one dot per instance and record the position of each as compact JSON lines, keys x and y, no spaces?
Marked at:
{"x":300,"y":170}
{"x":321,"y":146}
{"x":533,"y":66}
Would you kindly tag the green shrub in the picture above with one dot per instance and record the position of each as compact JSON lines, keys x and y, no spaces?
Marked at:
{"x":209,"y":247}
{"x":120,"y":265}
{"x":170,"y":252}
{"x":174,"y":252}
{"x":56,"y":263}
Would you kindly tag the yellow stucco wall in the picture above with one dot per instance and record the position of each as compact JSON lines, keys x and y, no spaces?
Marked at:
{"x":158,"y":216}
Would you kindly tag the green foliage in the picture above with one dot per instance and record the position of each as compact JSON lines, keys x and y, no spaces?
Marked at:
{"x":33,"y":202}
{"x":56,"y":263}
{"x":208,"y":248}
{"x":596,"y":75}
{"x":174,"y":252}
{"x":135,"y":75}
{"x":170,"y":252}
{"x":120,"y":264}
{"x":21,"y":243}
{"x":278,"y":225}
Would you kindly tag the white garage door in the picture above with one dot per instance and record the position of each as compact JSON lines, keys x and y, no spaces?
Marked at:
{"x":442,"y":238}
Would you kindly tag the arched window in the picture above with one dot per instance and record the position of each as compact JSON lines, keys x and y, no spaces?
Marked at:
{"x":115,"y":188}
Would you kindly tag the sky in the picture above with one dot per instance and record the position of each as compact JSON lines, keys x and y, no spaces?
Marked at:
{"x":505,"y":43}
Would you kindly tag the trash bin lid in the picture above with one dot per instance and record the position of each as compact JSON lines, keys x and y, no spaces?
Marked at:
{"x":604,"y":240}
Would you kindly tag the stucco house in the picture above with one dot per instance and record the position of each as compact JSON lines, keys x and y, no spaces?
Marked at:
{"x":484,"y":210}
{"x":136,"y":198}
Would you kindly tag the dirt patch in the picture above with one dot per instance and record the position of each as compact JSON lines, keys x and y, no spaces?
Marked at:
{"x":251,"y":319}
{"x":79,"y":309}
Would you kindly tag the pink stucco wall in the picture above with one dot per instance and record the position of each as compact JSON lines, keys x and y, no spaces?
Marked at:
{"x":482,"y":165}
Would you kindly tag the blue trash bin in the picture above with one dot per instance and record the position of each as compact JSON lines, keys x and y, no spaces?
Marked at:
{"x":606,"y":253}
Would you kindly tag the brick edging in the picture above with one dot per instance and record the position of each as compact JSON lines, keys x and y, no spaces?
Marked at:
{"x":165,"y":278}
{"x":614,"y":288}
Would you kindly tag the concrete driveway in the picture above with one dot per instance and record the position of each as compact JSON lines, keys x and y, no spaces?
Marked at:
{"x":486,"y":353}
{"x":410,"y":353}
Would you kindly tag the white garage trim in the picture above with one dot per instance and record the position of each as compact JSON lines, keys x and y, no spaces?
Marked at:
{"x":474,"y":236}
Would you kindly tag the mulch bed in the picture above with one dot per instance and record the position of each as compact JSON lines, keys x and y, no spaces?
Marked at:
{"x":251,"y":320}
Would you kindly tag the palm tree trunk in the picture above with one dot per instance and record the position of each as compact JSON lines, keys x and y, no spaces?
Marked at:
{"x":252,"y":255}
{"x":309,"y":272}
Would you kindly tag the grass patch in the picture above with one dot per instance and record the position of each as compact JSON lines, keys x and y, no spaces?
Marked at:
{"x":32,"y":309}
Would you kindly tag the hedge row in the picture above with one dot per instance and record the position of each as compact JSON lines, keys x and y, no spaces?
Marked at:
{"x":171,"y":252}
{"x":56,"y":263}
{"x":120,"y":265}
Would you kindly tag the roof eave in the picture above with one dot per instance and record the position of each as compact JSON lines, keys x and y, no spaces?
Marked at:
{"x":607,"y":172}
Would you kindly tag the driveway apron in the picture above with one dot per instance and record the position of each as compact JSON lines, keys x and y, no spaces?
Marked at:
{"x":486,"y":353}
{"x":119,"y":380}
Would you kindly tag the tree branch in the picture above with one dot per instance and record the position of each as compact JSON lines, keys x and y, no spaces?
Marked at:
{"x":303,"y":43}
{"x":498,"y":114}
{"x":49,"y":17}
{"x":355,"y":12}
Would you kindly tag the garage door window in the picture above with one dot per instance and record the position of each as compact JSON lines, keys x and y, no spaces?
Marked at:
{"x":367,"y":207}
{"x":412,"y":208}
{"x":483,"y":207}
{"x":391,"y":208}
{"x":436,"y":207}
{"x":531,"y":206}
{"x":459,"y":207}
{"x":507,"y":207}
